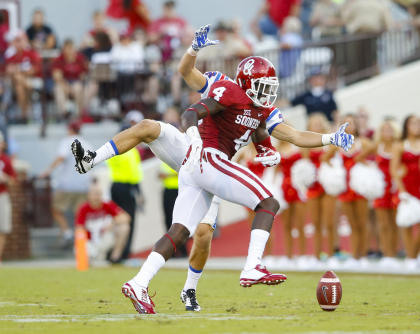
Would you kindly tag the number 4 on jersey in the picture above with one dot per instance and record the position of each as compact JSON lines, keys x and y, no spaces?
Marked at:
{"x":218,"y":92}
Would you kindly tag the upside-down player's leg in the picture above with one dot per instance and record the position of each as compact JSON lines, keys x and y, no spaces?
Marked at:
{"x":145,"y":131}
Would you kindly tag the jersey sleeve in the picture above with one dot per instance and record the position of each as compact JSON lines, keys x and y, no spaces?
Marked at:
{"x":228,"y":94}
{"x":112,"y":208}
{"x":211,"y":78}
{"x":275,"y":118}
{"x":81,"y":215}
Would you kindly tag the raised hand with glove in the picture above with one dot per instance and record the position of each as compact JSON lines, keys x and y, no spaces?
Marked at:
{"x":201,"y":40}
{"x":266,"y":153}
{"x":339,"y":138}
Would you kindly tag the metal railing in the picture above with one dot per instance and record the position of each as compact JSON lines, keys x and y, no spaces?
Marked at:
{"x":345,"y":59}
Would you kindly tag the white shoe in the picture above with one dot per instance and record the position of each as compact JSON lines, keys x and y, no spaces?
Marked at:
{"x":410,"y":264}
{"x":364,"y":262}
{"x":333,"y":263}
{"x":139,"y":296}
{"x":260,"y":275}
{"x":388,"y":262}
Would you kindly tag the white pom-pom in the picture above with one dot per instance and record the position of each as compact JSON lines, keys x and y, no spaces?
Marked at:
{"x":408,"y":210}
{"x":332,"y":177}
{"x":367,"y":180}
{"x":303,"y":176}
{"x":274,"y":180}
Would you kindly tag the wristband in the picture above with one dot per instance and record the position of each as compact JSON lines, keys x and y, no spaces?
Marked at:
{"x":326,"y":139}
{"x":192,"y":52}
{"x":266,"y":143}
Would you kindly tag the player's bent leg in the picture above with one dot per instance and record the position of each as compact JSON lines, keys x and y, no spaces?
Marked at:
{"x":136,"y":289}
{"x":144,"y":132}
{"x":254,"y":272}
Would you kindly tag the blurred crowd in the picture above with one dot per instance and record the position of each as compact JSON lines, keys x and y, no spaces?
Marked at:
{"x":110,"y":72}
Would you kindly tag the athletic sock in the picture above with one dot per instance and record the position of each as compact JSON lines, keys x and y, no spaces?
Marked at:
{"x":192,"y":278}
{"x":256,"y":248}
{"x":106,"y":151}
{"x":148,"y":270}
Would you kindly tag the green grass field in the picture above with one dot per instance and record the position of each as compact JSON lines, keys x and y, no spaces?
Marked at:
{"x":67,"y":301}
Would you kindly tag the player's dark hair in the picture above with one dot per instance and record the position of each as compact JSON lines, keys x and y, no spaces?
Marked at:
{"x":103,"y":42}
{"x":404,"y":134}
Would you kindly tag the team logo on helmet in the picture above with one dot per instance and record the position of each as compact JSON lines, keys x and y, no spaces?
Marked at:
{"x":248,"y":66}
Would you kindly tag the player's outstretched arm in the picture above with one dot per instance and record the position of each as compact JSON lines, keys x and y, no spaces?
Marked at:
{"x":192,"y":76}
{"x":313,"y":139}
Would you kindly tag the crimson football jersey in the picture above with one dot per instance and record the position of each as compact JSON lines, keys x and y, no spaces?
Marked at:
{"x":231,"y":128}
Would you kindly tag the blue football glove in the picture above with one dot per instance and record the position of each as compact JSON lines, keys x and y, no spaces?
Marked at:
{"x":341,"y":138}
{"x":201,"y":40}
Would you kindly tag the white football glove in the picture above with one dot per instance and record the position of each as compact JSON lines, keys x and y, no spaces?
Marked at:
{"x":267,"y":157}
{"x":339,"y":138}
{"x":195,"y":151}
{"x":201,"y":40}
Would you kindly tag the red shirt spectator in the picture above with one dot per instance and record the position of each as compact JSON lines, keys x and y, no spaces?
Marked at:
{"x":134,"y":11}
{"x":6,"y":168}
{"x":27,"y":60}
{"x":96,"y":219}
{"x":278,"y":10}
{"x":71,"y":69}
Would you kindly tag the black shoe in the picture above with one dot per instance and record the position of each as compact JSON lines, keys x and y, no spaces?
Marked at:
{"x":84,"y":162}
{"x":189,"y":298}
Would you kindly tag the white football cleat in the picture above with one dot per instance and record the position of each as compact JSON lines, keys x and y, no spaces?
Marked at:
{"x":84,"y":162}
{"x":139,"y":296}
{"x":260,"y":275}
{"x":189,"y":298}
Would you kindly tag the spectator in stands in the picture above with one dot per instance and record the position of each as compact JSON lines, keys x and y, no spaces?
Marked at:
{"x":40,"y":34}
{"x":68,"y":71}
{"x":107,"y":226}
{"x":326,"y":20}
{"x":291,"y":42}
{"x":272,"y":14}
{"x":366,"y":16}
{"x":134,"y":11}
{"x":6,"y":174}
{"x":4,"y":28}
{"x":318,"y":98}
{"x":89,"y":40}
{"x":127,"y":56}
{"x":23,"y":68}
{"x":126,"y":176}
{"x":167,"y":30}
{"x":71,"y":187}
{"x":229,"y":45}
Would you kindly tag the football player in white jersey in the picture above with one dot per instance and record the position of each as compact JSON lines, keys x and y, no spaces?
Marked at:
{"x":170,"y":145}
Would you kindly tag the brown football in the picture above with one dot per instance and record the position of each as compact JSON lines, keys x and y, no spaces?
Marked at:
{"x":329,"y":291}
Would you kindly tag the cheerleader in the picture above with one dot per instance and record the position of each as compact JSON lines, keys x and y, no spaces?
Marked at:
{"x":405,"y":169}
{"x":354,"y":206}
{"x":320,"y":205}
{"x":294,"y":215}
{"x":385,"y":206}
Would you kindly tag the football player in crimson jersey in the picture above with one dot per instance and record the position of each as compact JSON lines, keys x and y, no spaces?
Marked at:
{"x":254,"y":94}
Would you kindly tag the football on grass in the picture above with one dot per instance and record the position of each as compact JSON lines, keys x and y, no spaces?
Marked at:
{"x":329,"y":291}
